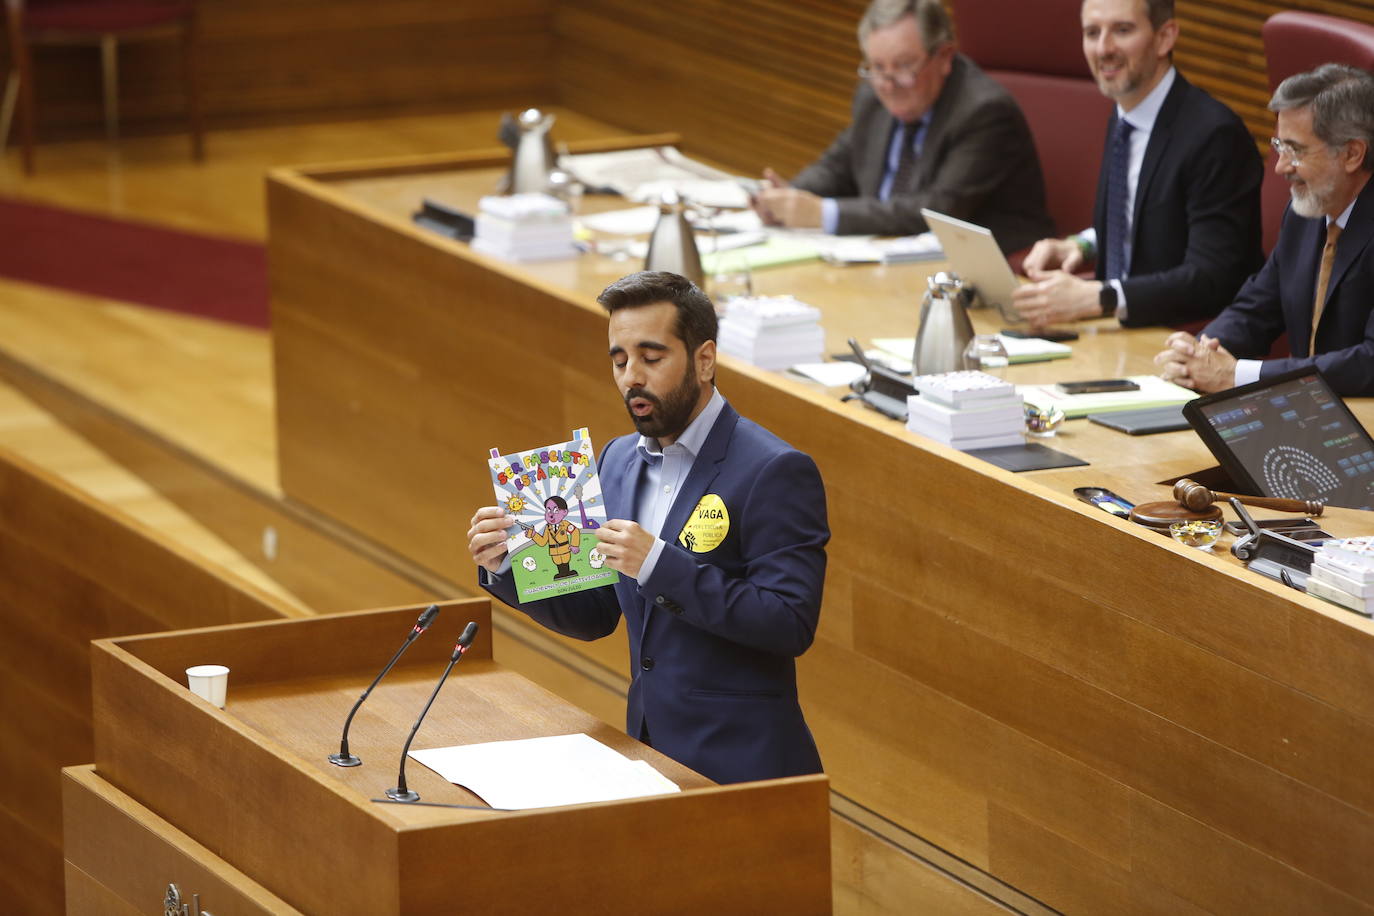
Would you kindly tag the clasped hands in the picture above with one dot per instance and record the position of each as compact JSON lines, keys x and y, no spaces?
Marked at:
{"x":624,"y":543}
{"x":1200,"y":363}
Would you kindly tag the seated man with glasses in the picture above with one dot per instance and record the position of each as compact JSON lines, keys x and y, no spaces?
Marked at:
{"x":929,"y":129}
{"x":1176,"y":226}
{"x":1318,"y":285}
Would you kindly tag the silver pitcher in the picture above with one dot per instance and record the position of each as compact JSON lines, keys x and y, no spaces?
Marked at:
{"x":673,"y":246}
{"x":533,"y":159}
{"x":945,"y":329}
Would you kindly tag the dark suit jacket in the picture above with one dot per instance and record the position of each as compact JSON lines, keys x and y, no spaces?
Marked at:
{"x":1279,"y":298}
{"x":713,"y":636}
{"x":1195,"y":233}
{"x":978,"y":163}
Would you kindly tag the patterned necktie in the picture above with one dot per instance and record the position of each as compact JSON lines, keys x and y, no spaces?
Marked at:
{"x":1333,"y":232}
{"x":1118,"y":201}
{"x":906,"y":161}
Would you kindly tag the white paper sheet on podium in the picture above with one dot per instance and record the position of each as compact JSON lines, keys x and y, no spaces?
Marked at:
{"x":543,"y":772}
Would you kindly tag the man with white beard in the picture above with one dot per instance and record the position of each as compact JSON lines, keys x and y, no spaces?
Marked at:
{"x":1318,"y":284}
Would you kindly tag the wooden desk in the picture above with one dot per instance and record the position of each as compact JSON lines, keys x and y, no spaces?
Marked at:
{"x":1070,"y":704}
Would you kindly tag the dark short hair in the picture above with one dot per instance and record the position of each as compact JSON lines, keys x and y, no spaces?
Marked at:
{"x":1342,"y":101}
{"x":1158,"y":12}
{"x":558,"y":501}
{"x":932,"y":20}
{"x":696,"y":316}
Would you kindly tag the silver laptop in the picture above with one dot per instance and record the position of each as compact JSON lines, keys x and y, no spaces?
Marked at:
{"x":973,"y":254}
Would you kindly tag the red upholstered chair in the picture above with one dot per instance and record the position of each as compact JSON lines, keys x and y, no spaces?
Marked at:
{"x":105,"y":23}
{"x":1295,"y":43}
{"x":1035,"y":50}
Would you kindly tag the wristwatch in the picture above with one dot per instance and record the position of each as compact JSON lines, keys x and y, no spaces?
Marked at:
{"x":1106,"y":297}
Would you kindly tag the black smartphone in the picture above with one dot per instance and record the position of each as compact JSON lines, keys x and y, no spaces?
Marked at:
{"x":1058,"y":335}
{"x":1105,"y":499}
{"x":1097,"y":385}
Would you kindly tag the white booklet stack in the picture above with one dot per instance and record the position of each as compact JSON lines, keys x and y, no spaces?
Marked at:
{"x":966,"y":410}
{"x":524,"y":227}
{"x":772,"y":332}
{"x":1343,"y":573}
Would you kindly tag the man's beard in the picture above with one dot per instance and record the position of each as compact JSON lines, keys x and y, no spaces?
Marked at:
{"x":672,"y":413}
{"x":1312,"y":201}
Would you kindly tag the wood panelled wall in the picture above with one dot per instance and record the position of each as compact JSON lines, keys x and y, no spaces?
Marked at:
{"x":768,"y":82}
{"x":267,"y":60}
{"x":750,"y":83}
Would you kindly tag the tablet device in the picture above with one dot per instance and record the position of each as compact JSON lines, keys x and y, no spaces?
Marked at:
{"x":1143,"y":422}
{"x":1288,"y":435}
{"x":973,"y":254}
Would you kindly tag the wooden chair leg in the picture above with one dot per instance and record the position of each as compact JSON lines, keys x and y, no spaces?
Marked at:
{"x":27,"y":115}
{"x":109,"y":67}
{"x":191,"y":86}
{"x":7,"y":106}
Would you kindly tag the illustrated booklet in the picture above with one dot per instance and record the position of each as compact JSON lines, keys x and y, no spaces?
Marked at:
{"x":554,"y":495}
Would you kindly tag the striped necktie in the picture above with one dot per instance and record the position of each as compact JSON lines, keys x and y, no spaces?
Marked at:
{"x":1118,"y":201}
{"x":906,"y":161}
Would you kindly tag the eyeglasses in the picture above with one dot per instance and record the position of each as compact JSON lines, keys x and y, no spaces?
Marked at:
{"x":1287,"y":149}
{"x":903,"y":77}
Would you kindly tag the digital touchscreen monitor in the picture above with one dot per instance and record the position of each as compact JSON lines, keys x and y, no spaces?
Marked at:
{"x":1290,"y":436}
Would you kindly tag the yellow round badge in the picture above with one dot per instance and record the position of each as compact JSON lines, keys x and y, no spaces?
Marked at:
{"x":707,"y":525}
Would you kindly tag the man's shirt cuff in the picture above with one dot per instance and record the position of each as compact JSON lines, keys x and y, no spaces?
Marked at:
{"x":646,"y":569}
{"x":1248,"y":370}
{"x":830,"y":215}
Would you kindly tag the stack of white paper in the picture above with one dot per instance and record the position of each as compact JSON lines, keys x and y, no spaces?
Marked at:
{"x":966,"y":410}
{"x":867,"y":249}
{"x":1343,"y":573}
{"x":543,"y":772}
{"x":772,"y":332}
{"x":524,"y":227}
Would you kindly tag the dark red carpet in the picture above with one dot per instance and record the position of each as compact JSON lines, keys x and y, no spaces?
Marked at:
{"x":134,"y":262}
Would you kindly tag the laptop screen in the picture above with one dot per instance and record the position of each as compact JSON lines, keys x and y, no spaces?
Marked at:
{"x":1289,"y":436}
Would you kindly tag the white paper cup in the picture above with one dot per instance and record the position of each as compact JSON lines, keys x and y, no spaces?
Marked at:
{"x":209,"y":682}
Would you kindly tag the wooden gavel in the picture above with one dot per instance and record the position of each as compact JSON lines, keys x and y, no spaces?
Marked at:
{"x":1193,"y":495}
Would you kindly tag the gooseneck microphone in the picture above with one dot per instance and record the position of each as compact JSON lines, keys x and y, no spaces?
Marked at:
{"x":343,"y":758}
{"x":401,"y":793}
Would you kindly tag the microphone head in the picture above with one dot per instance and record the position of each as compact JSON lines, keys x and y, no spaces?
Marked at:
{"x":469,"y":634}
{"x":427,"y":618}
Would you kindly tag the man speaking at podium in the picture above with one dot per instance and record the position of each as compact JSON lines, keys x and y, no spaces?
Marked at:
{"x":716,"y":615}
{"x":929,"y":129}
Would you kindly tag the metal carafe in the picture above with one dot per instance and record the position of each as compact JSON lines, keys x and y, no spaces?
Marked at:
{"x":533,"y":159}
{"x":945,"y":329}
{"x":673,"y":246}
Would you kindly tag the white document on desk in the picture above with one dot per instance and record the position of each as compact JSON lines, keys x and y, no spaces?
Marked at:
{"x":643,"y":174}
{"x":1153,"y":392}
{"x":543,"y":772}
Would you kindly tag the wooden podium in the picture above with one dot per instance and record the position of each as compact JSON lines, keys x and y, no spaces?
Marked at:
{"x":243,"y":800}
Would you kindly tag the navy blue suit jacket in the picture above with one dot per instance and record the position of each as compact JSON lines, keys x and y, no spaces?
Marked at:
{"x":1279,"y":298}
{"x":1195,"y":230}
{"x":714,"y":635}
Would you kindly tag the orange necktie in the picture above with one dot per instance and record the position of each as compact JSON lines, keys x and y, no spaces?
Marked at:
{"x":1333,"y":232}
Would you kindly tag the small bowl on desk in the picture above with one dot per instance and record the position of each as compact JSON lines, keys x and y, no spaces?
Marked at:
{"x":1043,"y":422}
{"x":1200,"y":533}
